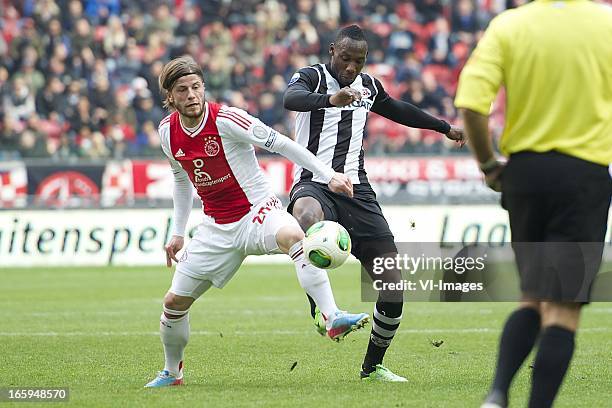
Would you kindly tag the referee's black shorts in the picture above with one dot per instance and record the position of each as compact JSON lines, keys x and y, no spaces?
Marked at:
{"x":559,"y":205}
{"x":361,"y":215}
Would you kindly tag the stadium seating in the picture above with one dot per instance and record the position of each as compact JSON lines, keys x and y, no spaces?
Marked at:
{"x":125,"y":42}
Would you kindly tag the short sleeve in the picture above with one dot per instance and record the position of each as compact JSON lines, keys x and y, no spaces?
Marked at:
{"x":306,"y":78}
{"x":381,"y":94}
{"x":482,"y":75}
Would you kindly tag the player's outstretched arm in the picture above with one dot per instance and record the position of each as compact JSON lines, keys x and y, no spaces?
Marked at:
{"x":267,"y":138}
{"x":408,"y":114}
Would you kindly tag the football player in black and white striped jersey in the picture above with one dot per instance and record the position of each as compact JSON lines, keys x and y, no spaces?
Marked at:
{"x":333,"y":101}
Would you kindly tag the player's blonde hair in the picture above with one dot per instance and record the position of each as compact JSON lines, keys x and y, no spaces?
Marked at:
{"x":172,"y":71}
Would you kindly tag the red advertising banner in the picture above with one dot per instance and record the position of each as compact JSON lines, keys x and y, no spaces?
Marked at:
{"x":396,"y":180}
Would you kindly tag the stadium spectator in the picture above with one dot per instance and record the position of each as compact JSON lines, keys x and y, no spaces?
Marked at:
{"x":19,"y":101}
{"x":33,"y":144}
{"x":190,"y":24}
{"x":45,"y":11}
{"x":465,"y":18}
{"x":9,"y":133}
{"x":92,"y":145}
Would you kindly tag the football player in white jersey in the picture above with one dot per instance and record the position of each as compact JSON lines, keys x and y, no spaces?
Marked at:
{"x":210,"y":147}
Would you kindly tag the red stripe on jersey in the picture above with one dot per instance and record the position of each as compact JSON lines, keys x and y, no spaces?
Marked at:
{"x":242,"y":125}
{"x":165,"y":120}
{"x":237,"y":116}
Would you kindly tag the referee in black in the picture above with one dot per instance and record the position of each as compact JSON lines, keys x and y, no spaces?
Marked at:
{"x":333,"y":101}
{"x":554,"y":59}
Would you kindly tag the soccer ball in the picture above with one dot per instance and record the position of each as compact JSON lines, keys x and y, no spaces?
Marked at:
{"x":327,"y":244}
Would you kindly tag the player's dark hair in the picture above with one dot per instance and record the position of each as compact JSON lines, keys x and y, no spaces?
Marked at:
{"x":354,"y":32}
{"x":173,"y":70}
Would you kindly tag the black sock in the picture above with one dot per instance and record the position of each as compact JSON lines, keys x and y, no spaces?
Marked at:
{"x":386,"y":320}
{"x":517,"y":339}
{"x":551,"y":363}
{"x":313,"y":305}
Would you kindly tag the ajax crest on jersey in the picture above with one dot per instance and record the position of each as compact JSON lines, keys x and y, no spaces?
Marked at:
{"x":327,"y":244}
{"x":211,"y":147}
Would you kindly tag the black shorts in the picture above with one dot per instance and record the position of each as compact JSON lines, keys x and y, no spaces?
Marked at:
{"x":361,"y":216}
{"x":555,"y":199}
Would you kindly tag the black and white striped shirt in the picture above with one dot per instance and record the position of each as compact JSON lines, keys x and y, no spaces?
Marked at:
{"x":335,"y":134}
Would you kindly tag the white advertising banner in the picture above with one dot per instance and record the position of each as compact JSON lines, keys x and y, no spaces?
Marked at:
{"x":136,"y":236}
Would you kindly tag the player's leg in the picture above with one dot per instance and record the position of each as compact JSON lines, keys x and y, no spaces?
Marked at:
{"x":307,"y":211}
{"x":387,"y":310}
{"x":372,"y":238}
{"x":174,"y":326}
{"x":204,"y":263}
{"x":309,"y":205}
{"x":281,"y":232}
{"x":314,"y":281}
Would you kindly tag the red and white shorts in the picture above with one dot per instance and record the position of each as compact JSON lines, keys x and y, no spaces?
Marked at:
{"x":216,"y":251}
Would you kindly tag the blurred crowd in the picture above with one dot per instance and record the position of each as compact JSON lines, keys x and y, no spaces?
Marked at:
{"x":78,"y":78}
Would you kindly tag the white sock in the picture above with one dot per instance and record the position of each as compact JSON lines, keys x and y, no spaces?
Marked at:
{"x":174,"y":335}
{"x":315,"y":282}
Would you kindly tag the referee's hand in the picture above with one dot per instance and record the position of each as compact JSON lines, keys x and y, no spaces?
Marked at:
{"x":345,"y":96}
{"x":493,"y":177}
{"x":176,"y":244}
{"x":341,"y":184}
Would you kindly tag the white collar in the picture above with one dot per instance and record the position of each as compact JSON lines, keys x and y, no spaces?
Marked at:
{"x":194,"y":131}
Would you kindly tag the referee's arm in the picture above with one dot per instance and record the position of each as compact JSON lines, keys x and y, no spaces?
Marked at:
{"x":478,"y":85}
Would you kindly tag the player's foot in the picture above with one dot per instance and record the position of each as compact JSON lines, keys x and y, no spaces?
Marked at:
{"x":319,"y":322}
{"x":495,"y":399}
{"x":344,"y":323}
{"x":382,"y":374}
{"x":164,"y":379}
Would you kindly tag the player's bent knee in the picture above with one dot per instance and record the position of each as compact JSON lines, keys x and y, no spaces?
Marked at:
{"x":287,"y":236}
{"x":307,"y":211}
{"x":293,"y":234}
{"x":175,"y":305}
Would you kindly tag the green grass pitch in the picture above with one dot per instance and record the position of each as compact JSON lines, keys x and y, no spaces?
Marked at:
{"x":94,"y":330}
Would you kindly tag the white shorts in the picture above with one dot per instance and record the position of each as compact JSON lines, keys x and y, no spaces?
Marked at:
{"x":216,"y":251}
